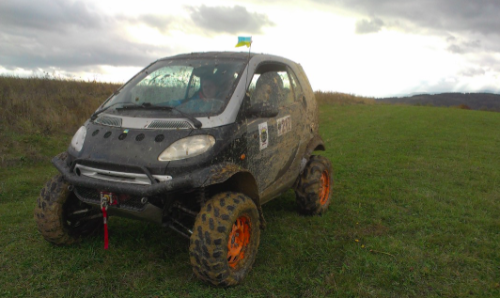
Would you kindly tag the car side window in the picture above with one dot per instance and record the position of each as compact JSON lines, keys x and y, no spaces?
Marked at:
{"x":272,"y":87}
{"x":266,"y":88}
{"x":296,"y":86}
{"x":287,"y":96}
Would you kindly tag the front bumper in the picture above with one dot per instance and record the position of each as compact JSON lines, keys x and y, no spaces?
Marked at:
{"x":186,"y":181}
{"x":213,"y":174}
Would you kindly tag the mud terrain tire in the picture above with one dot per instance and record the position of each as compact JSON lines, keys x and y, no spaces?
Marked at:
{"x":54,"y":204}
{"x":314,"y":188}
{"x":225,"y":239}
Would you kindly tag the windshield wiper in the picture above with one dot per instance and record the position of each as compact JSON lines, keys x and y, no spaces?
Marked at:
{"x":96,"y":113}
{"x":149,"y":106}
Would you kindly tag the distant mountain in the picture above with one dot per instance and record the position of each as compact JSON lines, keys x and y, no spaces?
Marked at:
{"x":475,"y":101}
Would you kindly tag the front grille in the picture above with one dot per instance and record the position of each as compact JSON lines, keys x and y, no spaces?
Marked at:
{"x":168,"y":124}
{"x":117,"y":176}
{"x":109,"y":121}
{"x":92,"y":196}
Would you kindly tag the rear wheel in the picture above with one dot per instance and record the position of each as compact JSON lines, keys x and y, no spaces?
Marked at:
{"x":61,"y":218}
{"x":225,"y":239}
{"x":313,"y":191}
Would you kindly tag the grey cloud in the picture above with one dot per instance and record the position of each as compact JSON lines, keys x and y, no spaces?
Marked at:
{"x":58,"y":15}
{"x":451,"y":38}
{"x":479,"y":16}
{"x":75,"y":50}
{"x":490,"y":63}
{"x":459,"y":83}
{"x":369,"y":26}
{"x":71,"y":35}
{"x":455,"y":49}
{"x":231,"y":20}
{"x":443,"y":85}
{"x":160,"y":22}
{"x":464,"y":47}
{"x":48,"y":15}
{"x":472,"y":72}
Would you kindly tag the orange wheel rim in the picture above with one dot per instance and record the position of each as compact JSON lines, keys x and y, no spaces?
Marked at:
{"x":238,"y":240}
{"x":324,"y":191}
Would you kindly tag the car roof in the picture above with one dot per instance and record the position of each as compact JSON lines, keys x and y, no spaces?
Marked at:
{"x":231,"y":55}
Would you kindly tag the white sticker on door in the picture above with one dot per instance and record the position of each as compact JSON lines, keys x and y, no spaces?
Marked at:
{"x":284,"y":125}
{"x":263,"y":135}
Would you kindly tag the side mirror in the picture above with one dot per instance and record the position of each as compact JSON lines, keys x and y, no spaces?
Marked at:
{"x":262,"y":110}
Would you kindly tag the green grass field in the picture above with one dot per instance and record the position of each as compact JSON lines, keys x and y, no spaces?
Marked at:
{"x":415,"y":214}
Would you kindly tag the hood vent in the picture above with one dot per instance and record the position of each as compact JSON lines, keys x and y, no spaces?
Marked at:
{"x":168,"y":124}
{"x":109,"y":121}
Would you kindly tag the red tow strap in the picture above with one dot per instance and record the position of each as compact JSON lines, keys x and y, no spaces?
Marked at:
{"x":105,"y":219}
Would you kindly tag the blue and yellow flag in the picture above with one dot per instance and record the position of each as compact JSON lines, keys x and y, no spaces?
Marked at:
{"x":244,"y":41}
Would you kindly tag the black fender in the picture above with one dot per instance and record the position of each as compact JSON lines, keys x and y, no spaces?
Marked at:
{"x":230,"y":177}
{"x":315,"y":144}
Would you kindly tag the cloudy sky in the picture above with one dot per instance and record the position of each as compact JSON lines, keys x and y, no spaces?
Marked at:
{"x":371,"y":48}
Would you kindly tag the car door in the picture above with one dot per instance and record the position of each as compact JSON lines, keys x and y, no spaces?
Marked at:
{"x":272,"y":144}
{"x":299,"y":108}
{"x":261,"y":134}
{"x":286,"y":138}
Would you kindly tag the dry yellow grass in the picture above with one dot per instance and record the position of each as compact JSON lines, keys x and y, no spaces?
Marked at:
{"x":38,"y":111}
{"x":336,"y":98}
{"x":43,"y":105}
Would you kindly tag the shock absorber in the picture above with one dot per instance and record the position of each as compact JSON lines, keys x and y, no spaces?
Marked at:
{"x":177,"y":214}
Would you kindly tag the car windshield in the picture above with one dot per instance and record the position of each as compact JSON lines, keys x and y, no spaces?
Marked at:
{"x":197,"y":87}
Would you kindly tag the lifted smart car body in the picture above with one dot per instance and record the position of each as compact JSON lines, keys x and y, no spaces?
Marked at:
{"x":197,"y":143}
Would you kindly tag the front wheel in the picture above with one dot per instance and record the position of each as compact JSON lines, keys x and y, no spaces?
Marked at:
{"x":314,"y":188}
{"x":225,"y":239}
{"x":61,"y":218}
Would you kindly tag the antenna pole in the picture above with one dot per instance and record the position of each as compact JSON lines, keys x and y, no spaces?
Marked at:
{"x":248,"y":62}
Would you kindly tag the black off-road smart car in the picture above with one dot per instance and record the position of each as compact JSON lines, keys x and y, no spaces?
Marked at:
{"x":196,"y":143}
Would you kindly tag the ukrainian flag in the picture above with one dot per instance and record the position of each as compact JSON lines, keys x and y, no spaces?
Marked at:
{"x":244,"y":41}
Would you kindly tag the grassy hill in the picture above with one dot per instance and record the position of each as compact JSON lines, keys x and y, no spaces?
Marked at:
{"x":474,"y":101}
{"x":415,"y":214}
